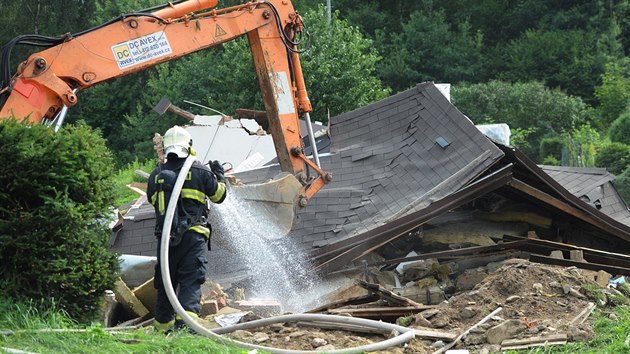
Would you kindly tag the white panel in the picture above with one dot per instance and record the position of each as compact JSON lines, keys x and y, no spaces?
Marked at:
{"x":282,"y":92}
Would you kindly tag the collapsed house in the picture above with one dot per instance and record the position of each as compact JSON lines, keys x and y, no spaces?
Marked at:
{"x":412,"y":174}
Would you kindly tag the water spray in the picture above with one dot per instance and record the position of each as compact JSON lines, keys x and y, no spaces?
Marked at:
{"x":406,"y":333}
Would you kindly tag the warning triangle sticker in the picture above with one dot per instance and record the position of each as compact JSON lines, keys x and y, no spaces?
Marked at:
{"x":219,"y":32}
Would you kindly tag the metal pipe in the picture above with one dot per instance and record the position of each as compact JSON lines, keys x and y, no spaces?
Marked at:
{"x":328,"y":11}
{"x":62,"y":115}
{"x":311,"y":138}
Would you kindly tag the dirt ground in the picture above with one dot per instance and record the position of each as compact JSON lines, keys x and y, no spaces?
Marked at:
{"x":543,"y":298}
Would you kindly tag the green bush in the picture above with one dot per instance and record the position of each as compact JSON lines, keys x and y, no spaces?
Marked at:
{"x":615,"y":157}
{"x":622,"y":183}
{"x":620,"y":129}
{"x":57,"y":188}
{"x":551,"y":147}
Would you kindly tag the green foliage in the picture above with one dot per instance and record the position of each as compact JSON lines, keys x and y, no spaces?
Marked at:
{"x":551,"y":147}
{"x":418,"y":52}
{"x":570,"y":60}
{"x":127,"y":175}
{"x":340,"y":67}
{"x":613,"y":94}
{"x":622,"y":183}
{"x":31,"y":326}
{"x":614,"y":156}
{"x":551,"y":161}
{"x":582,"y":144}
{"x":615,"y":300}
{"x":530,"y":109}
{"x":594,"y":292}
{"x":620,"y":129}
{"x":58,"y":188}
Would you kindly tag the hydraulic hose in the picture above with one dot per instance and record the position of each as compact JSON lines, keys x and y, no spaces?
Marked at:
{"x":406,"y":333}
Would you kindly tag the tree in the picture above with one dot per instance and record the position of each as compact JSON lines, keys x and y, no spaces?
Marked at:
{"x":613,"y":95}
{"x":529,"y":107}
{"x":622,"y":183}
{"x":429,"y":49}
{"x":620,"y":129}
{"x":57,"y":188}
{"x":339,"y":71}
{"x":582,"y":144}
{"x":614,"y":156}
{"x":340,"y":67}
{"x":570,"y":60}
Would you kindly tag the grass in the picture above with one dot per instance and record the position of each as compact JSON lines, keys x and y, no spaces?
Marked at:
{"x":22,"y":326}
{"x":128,"y":175}
{"x":610,"y":337}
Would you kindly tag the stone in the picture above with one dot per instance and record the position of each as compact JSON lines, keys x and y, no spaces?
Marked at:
{"x":467,"y":312}
{"x":478,"y":330}
{"x":505,"y":330}
{"x":440,"y":323}
{"x":318,"y":342}
{"x":474,"y":339}
{"x":261,"y":307}
{"x":419,"y":320}
{"x":576,"y":293}
{"x":297,"y":334}
{"x":209,"y":307}
{"x":260,"y":337}
{"x":438,"y":344}
{"x":429,"y":313}
{"x":566,"y":288}
{"x":512,"y":298}
{"x":576,"y":334}
{"x":242,"y":333}
{"x":538,"y":288}
{"x":576,"y":255}
{"x":602,"y":278}
{"x":492,"y":348}
{"x":326,"y":348}
{"x":469,"y":278}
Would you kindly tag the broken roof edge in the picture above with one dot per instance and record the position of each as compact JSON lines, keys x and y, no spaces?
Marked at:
{"x":616,"y":228}
{"x":343,"y":117}
{"x":582,"y":170}
{"x":346,"y":250}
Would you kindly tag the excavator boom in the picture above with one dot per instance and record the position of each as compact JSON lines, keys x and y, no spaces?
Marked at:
{"x":46,"y":83}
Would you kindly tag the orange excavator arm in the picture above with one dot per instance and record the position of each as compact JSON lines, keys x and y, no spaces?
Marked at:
{"x":46,"y":83}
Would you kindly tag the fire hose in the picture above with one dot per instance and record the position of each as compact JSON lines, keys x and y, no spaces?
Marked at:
{"x":405,"y":334}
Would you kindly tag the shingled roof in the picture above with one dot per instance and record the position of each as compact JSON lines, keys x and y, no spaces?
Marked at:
{"x":593,"y":186}
{"x":401,"y":161}
{"x":389,"y":159}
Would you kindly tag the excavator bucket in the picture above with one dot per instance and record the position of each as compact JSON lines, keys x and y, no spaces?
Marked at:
{"x":275,"y":201}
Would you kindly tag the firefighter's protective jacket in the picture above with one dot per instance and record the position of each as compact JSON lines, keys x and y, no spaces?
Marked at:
{"x":200,"y":183}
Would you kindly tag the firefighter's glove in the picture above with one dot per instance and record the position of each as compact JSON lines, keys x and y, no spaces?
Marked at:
{"x":218,"y":171}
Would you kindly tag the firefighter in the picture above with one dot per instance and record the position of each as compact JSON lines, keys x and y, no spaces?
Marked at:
{"x":190,"y":232}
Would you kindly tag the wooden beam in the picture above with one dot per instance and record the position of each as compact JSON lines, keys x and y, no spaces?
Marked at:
{"x":382,"y":312}
{"x":339,"y":254}
{"x":582,"y":265}
{"x":573,"y":211}
{"x":386,"y":294}
{"x":516,"y":344}
{"x":422,"y":333}
{"x":356,"y":300}
{"x":468,"y":251}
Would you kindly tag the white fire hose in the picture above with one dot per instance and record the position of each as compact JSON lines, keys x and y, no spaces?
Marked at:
{"x":406,"y":334}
